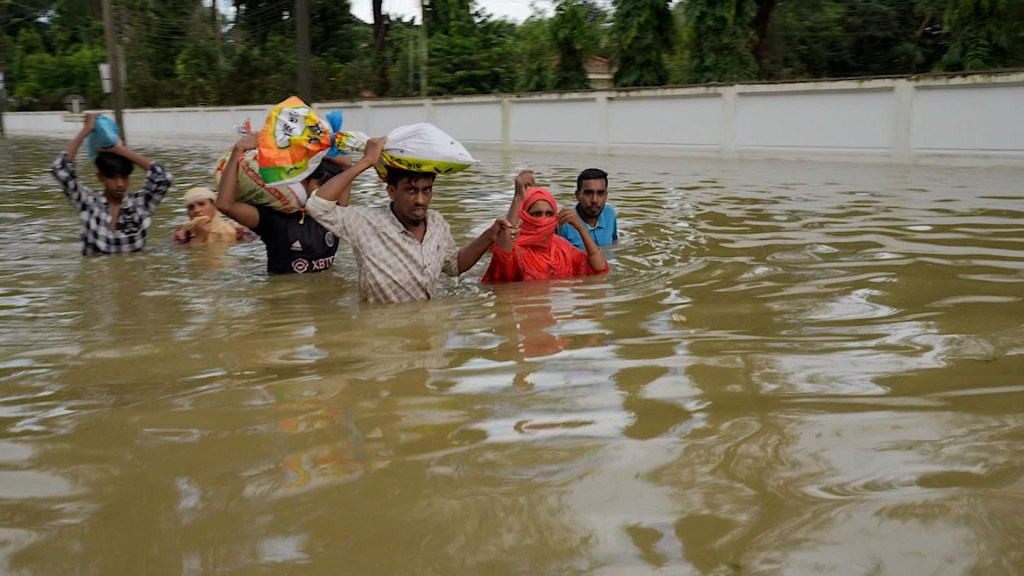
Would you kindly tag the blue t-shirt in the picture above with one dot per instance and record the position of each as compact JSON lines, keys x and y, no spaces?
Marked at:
{"x":605,"y":233}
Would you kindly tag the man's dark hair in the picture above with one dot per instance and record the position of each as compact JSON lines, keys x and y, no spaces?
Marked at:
{"x":325,"y":171}
{"x":591,"y":174}
{"x":396,"y":175}
{"x":111,"y":165}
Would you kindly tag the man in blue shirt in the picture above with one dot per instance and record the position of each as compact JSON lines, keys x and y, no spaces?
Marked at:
{"x":591,"y":195}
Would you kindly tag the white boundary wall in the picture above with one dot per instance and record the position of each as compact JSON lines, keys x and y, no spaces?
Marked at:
{"x":966,"y":119}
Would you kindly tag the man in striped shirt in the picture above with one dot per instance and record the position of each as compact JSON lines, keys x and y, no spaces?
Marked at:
{"x":114,"y":222}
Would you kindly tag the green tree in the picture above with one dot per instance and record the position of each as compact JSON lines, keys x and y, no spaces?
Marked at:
{"x":472,"y":58}
{"x":340,"y":52}
{"x":198,"y":64}
{"x":573,"y":39}
{"x":832,"y":38}
{"x":983,"y":34}
{"x":179,"y":53}
{"x":444,"y":15}
{"x":720,"y":41}
{"x":405,"y":58}
{"x":76,"y":22}
{"x":643,"y":35}
{"x":153,"y":34}
{"x":535,"y":53}
{"x":380,"y":55}
{"x":45,"y":79}
{"x":677,"y":61}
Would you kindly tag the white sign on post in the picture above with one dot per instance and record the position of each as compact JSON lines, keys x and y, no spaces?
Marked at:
{"x":105,"y":78}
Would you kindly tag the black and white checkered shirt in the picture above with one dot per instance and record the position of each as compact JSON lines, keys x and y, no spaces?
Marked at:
{"x":136,"y":211}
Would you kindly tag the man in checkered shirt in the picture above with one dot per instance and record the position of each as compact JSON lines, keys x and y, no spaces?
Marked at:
{"x":113,"y":222}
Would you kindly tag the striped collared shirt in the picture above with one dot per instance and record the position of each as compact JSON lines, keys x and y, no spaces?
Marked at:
{"x":135,"y":217}
{"x":393,"y":265}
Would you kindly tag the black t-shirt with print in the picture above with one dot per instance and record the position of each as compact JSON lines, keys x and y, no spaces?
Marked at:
{"x":296,"y":243}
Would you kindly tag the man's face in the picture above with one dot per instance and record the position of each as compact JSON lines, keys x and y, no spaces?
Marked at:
{"x":114,"y":186}
{"x":411,"y":197}
{"x":202,"y":207}
{"x":592,"y":195}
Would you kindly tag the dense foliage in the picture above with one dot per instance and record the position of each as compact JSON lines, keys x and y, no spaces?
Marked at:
{"x":643,"y":34}
{"x":182,"y":52}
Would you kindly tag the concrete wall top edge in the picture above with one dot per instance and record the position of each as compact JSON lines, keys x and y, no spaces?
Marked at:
{"x":857,"y":150}
{"x":972,"y":85}
{"x":826,"y":85}
{"x":248,"y":108}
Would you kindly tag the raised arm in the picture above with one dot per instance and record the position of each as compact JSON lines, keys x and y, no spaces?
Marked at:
{"x":594,"y":255}
{"x":241,"y":212}
{"x":76,"y":142}
{"x":507,"y":235}
{"x":339,"y":188}
{"x":524,"y":181}
{"x":471,"y":253}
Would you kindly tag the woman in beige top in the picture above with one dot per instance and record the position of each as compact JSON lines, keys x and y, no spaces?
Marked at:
{"x":207,"y":225}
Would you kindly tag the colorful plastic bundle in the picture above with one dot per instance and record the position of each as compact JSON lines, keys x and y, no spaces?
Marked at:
{"x":294,"y":140}
{"x":292,"y":143}
{"x":252,"y":189}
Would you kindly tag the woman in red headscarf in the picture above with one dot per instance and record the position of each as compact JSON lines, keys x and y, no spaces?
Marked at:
{"x":538,"y":253}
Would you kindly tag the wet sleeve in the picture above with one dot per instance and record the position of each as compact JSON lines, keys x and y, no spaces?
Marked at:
{"x":158,"y":182}
{"x":503,"y":267}
{"x":63,"y":170}
{"x":450,"y":250}
{"x":331,"y":216}
{"x":582,"y":267}
{"x":265,"y":227}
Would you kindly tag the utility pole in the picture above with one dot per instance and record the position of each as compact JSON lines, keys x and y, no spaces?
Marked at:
{"x":3,"y":87}
{"x":3,"y":99}
{"x":424,"y":4}
{"x":113,"y":57}
{"x":216,"y":23}
{"x":302,"y":24}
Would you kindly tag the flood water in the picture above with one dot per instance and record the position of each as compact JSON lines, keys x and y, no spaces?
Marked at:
{"x":793,"y":368}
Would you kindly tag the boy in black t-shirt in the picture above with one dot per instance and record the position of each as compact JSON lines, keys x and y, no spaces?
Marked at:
{"x":295,"y":242}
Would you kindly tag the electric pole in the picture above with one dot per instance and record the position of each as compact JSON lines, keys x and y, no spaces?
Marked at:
{"x":113,"y":57}
{"x":424,"y":4}
{"x":216,"y":22}
{"x":3,"y":87}
{"x":302,"y":24}
{"x":3,"y":97}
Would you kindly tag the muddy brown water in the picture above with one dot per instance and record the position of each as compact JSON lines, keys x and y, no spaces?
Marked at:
{"x":793,"y":368}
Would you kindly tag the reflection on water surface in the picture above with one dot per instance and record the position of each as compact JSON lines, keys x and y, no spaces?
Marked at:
{"x":793,"y":368}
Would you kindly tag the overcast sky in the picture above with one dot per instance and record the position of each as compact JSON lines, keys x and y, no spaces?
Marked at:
{"x":515,"y":10}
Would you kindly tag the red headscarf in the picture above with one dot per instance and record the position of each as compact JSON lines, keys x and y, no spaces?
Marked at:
{"x":537,"y":254}
{"x":536,"y":231}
